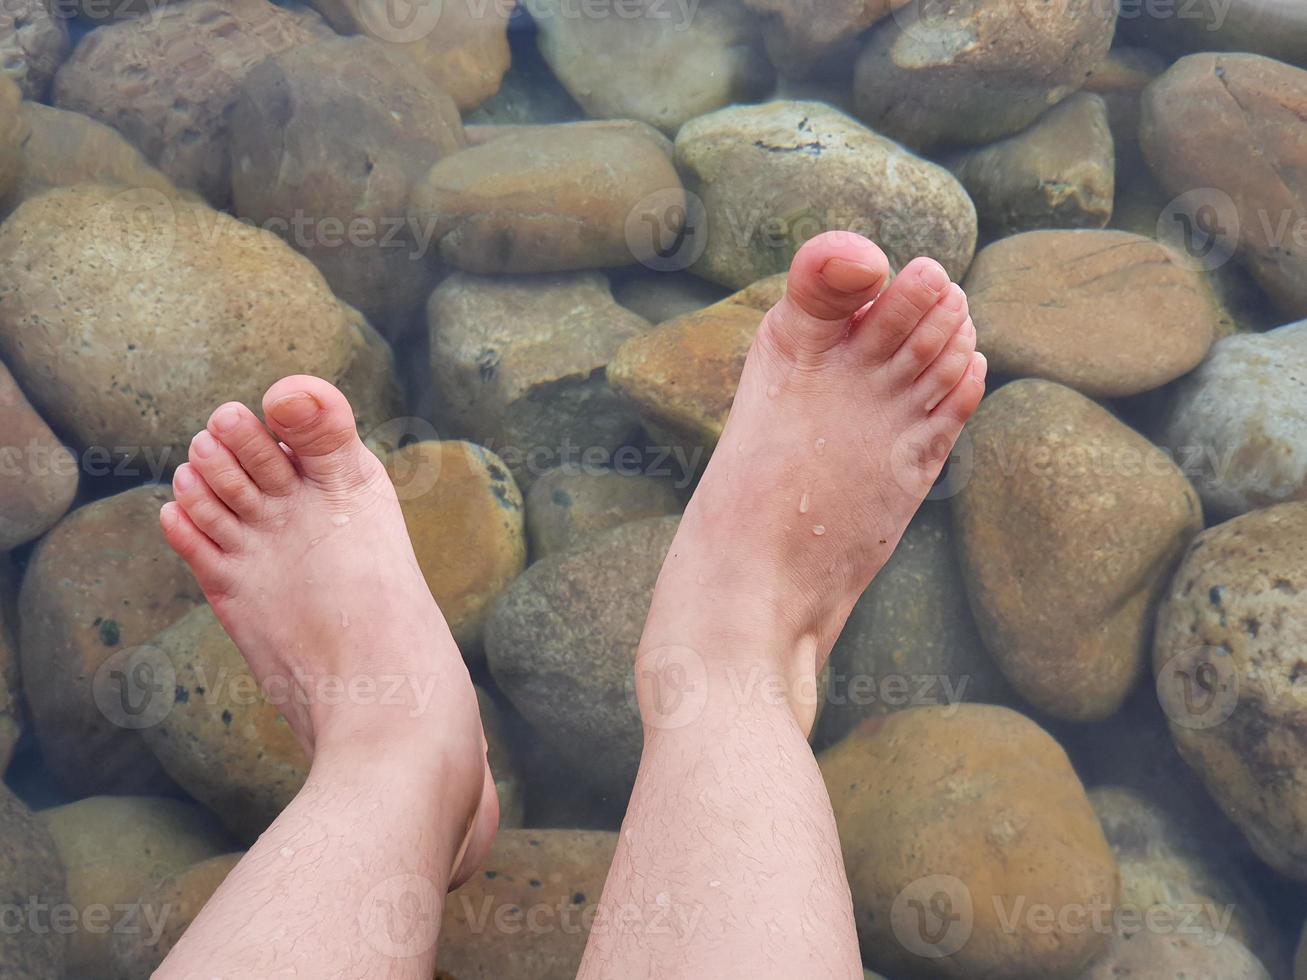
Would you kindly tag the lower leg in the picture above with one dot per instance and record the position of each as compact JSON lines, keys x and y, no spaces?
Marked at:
{"x":729,"y":863}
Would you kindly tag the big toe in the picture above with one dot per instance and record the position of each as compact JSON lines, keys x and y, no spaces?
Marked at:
{"x":315,"y":420}
{"x":832,"y":278}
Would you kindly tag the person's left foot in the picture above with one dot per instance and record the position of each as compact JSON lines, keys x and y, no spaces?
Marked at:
{"x":299,"y":544}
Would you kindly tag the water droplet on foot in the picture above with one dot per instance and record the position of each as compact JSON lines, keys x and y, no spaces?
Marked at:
{"x":773,"y":391}
{"x":340,"y":520}
{"x":820,"y":446}
{"x":344,"y":619}
{"x":819,"y":529}
{"x":805,"y":502}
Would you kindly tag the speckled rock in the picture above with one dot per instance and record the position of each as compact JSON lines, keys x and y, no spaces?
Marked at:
{"x":1192,"y":886}
{"x":550,"y":199}
{"x":168,"y":81}
{"x":14,"y":131}
{"x":1105,"y":312}
{"x":561,"y":644}
{"x":100,"y":584}
{"x":1239,"y":419}
{"x":1225,"y":127}
{"x":569,"y":503}
{"x":518,"y":366}
{"x":38,"y":475}
{"x":1234,"y":622}
{"x":464,"y":515}
{"x":971,"y":73}
{"x":462,"y":47}
{"x":1175,"y":956}
{"x":528,"y":911}
{"x":801,"y":32}
{"x":652,"y":61}
{"x":775,"y":175}
{"x":1059,"y":173}
{"x":911,"y":640}
{"x":1068,"y":529}
{"x":223,"y":740}
{"x":663,"y":296}
{"x":115,"y":847}
{"x":1275,"y":28}
{"x":171,"y":313}
{"x":172,"y":903}
{"x":33,"y":44}
{"x":326,"y":141}
{"x":63,"y":148}
{"x":682,"y":375}
{"x":30,"y":871}
{"x":979,"y":808}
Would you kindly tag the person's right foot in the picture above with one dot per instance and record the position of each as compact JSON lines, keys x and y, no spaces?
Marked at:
{"x":843,"y":419}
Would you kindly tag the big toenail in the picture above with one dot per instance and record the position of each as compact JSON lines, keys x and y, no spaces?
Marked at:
{"x":294,"y":410}
{"x":226,"y":419}
{"x":183,"y":478}
{"x":848,"y":277}
{"x":953,"y":298}
{"x":934,"y":277}
{"x":204,"y":445}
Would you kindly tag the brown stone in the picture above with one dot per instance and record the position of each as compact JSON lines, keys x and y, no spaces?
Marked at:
{"x":1059,"y":173}
{"x":772,"y":176}
{"x":645,"y":61}
{"x":168,"y":81}
{"x":1225,"y":127}
{"x":518,"y":366}
{"x":549,"y":199}
{"x":558,"y":873}
{"x":978,"y":805}
{"x":38,"y":479}
{"x":33,"y":43}
{"x":568,"y":503}
{"x":30,"y":871}
{"x":115,"y":847}
{"x":971,"y":73}
{"x":1105,"y":312}
{"x":802,"y":31}
{"x":174,"y":901}
{"x":1068,"y":527}
{"x":462,"y":47}
{"x":100,"y":584}
{"x":222,"y":740}
{"x":464,"y":515}
{"x":326,"y":141}
{"x":12,"y":714}
{"x":1234,"y":622}
{"x":173,"y":308}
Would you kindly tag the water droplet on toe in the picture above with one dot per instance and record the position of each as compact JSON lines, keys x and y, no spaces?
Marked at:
{"x":344,"y":619}
{"x":805,"y":503}
{"x":773,"y":391}
{"x":819,"y":529}
{"x":820,"y":446}
{"x":340,"y":520}
{"x":314,"y":542}
{"x":287,"y":852}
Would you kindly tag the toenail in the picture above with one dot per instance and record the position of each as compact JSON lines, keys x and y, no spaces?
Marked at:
{"x":848,"y":277}
{"x":183,"y":478}
{"x":954,"y":298}
{"x":168,"y":515}
{"x":294,"y":410}
{"x":226,"y":419}
{"x":204,"y":445}
{"x":934,"y":277}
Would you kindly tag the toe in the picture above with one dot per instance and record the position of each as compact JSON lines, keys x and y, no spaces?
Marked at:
{"x":193,"y":546}
{"x":833,"y":277}
{"x":205,"y":510}
{"x":961,"y":403}
{"x":927,"y":342}
{"x":258,"y":452}
{"x":942,"y":375}
{"x":905,"y":303}
{"x":315,"y":421}
{"x":226,"y":477}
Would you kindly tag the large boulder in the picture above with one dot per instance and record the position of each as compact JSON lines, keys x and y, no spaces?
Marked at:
{"x":646,"y":60}
{"x":970,"y":73}
{"x":172,"y":307}
{"x":326,"y":141}
{"x":1228,"y":660}
{"x":1068,"y":528}
{"x":1105,"y":312}
{"x":959,"y":827}
{"x":38,"y":475}
{"x":1239,"y":420}
{"x":32,"y":876}
{"x":772,"y":176}
{"x":549,"y":198}
{"x":100,"y":585}
{"x":1220,"y":131}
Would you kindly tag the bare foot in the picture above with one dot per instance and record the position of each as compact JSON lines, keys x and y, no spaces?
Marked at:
{"x":845,"y":414}
{"x":303,"y":554}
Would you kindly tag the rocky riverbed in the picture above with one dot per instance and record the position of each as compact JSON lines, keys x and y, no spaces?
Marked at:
{"x":1064,"y":732}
